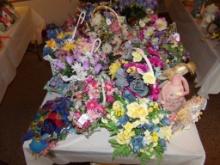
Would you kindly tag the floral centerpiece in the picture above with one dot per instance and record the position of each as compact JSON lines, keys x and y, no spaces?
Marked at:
{"x":141,"y":128}
{"x":91,"y":99}
{"x":135,"y":77}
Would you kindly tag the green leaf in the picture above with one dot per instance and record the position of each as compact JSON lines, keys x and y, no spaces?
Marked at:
{"x":121,"y":151}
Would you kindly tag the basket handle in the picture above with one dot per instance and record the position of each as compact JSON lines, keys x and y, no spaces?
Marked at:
{"x":96,"y":47}
{"x":79,"y":22}
{"x":107,"y":8}
{"x":146,"y":59}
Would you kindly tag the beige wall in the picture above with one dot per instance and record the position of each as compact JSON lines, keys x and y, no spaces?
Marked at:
{"x":53,"y":11}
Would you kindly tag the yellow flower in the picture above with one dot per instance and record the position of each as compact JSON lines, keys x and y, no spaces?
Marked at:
{"x":128,"y":126}
{"x":137,"y":57}
{"x":136,"y":110}
{"x":154,"y":137}
{"x":68,"y":46}
{"x":132,"y":70}
{"x":149,"y":78}
{"x":124,"y":137}
{"x":51,"y":44}
{"x":60,"y":35}
{"x":118,"y":109}
{"x":165,"y":132}
{"x":114,"y":67}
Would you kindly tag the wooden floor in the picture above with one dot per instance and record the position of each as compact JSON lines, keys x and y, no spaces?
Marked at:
{"x":26,"y":93}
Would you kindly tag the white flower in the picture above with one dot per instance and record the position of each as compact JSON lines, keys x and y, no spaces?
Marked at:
{"x":149,"y":32}
{"x":107,"y":48}
{"x":80,"y":73}
{"x":161,"y":24}
{"x":97,"y":19}
{"x":141,"y":23}
{"x":108,"y":21}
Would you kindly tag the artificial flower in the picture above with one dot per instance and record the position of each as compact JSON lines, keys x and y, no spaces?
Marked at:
{"x":115,"y":27}
{"x":161,"y":24}
{"x":114,"y":67}
{"x":139,"y":87}
{"x":51,"y":44}
{"x":137,"y":57}
{"x":97,"y":19}
{"x":118,"y":109}
{"x":107,"y":48}
{"x":155,"y":137}
{"x":92,"y":104}
{"x":137,"y":143}
{"x":165,"y":132}
{"x":68,"y":46}
{"x":128,"y":126}
{"x":149,"y":32}
{"x":149,"y":78}
{"x":136,"y":110}
{"x":124,"y":137}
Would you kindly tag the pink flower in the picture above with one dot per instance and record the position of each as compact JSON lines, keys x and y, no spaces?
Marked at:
{"x":109,"y":87}
{"x":155,"y":91}
{"x":153,"y":52}
{"x":93,"y":93}
{"x":110,"y":99}
{"x":156,"y":61}
{"x":93,"y":115}
{"x":115,"y":27}
{"x":92,"y":104}
{"x":101,"y":109}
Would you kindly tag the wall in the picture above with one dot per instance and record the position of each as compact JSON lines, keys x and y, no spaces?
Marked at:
{"x":53,"y":11}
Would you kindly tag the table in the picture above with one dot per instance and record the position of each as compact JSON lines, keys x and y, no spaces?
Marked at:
{"x":205,"y":53}
{"x":27,"y":28}
{"x":184,"y":149}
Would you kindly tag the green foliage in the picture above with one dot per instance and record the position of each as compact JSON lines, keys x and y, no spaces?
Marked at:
{"x":111,"y":127}
{"x":120,"y":150}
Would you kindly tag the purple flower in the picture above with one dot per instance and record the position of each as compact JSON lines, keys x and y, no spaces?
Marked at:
{"x":59,"y":64}
{"x":98,"y":68}
{"x":86,"y":65}
{"x":69,"y":59}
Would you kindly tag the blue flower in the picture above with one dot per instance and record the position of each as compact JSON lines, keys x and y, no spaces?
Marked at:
{"x":137,"y":143}
{"x":129,"y":96}
{"x":123,"y":120}
{"x":48,"y":127}
{"x":163,"y":143}
{"x":38,"y":146}
{"x":139,"y":87}
{"x":149,"y":127}
{"x":47,"y":51}
{"x":165,"y":121}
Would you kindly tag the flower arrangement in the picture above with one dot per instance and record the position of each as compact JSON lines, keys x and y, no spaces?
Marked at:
{"x":91,"y":99}
{"x":50,"y":125}
{"x":135,"y":78}
{"x":139,"y":128}
{"x":135,"y":10}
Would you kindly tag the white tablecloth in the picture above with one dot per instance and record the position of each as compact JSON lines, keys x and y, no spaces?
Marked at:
{"x":205,"y":53}
{"x":184,"y":149}
{"x":28,"y":27}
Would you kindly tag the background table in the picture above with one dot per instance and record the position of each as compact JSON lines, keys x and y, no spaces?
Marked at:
{"x":184,"y":149}
{"x":27,"y":28}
